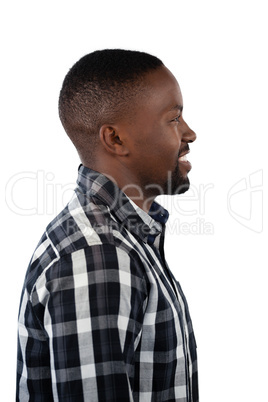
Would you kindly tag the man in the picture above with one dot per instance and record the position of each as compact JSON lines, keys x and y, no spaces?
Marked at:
{"x":102,"y":317}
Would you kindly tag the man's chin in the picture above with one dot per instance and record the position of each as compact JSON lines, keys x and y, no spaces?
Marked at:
{"x":178,"y":186}
{"x":180,"y":182}
{"x":181,"y":187}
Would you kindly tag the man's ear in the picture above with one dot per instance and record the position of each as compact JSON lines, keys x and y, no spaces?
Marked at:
{"x":112,"y":141}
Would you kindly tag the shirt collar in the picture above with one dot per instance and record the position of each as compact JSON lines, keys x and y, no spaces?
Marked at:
{"x":95,"y":185}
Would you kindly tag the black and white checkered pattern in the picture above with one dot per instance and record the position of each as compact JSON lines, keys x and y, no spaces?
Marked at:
{"x":101,"y":316}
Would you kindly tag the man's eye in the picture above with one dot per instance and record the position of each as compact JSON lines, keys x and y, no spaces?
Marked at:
{"x":177,"y":119}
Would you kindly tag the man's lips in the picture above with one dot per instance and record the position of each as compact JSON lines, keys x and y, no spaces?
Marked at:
{"x":183,"y":159}
{"x":184,"y":151}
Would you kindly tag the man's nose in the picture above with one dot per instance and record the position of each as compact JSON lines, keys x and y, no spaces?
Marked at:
{"x":188,"y":134}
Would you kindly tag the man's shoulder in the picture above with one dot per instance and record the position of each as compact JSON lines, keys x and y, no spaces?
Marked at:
{"x":79,"y":225}
{"x":88,"y":228}
{"x":75,"y":227}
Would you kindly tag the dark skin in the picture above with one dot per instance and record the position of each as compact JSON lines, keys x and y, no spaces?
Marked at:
{"x":141,"y":154}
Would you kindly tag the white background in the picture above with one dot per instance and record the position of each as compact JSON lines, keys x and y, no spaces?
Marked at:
{"x":216,"y":236}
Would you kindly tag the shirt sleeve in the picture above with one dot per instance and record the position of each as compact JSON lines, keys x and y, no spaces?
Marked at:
{"x":94,"y":302}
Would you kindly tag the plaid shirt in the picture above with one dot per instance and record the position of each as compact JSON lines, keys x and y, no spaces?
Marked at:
{"x":101,"y":316}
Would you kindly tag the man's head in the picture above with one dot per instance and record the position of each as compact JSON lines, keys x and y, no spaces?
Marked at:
{"x":123,"y":111}
{"x":103,"y":86}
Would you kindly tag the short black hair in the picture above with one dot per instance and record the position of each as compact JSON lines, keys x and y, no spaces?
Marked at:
{"x":100,"y":88}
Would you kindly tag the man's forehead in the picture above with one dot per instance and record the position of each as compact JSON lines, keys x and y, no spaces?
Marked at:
{"x":161,"y":93}
{"x":164,"y":87}
{"x":168,"y":99}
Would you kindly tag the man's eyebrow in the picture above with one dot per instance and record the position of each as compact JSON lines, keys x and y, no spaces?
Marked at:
{"x":176,"y":107}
